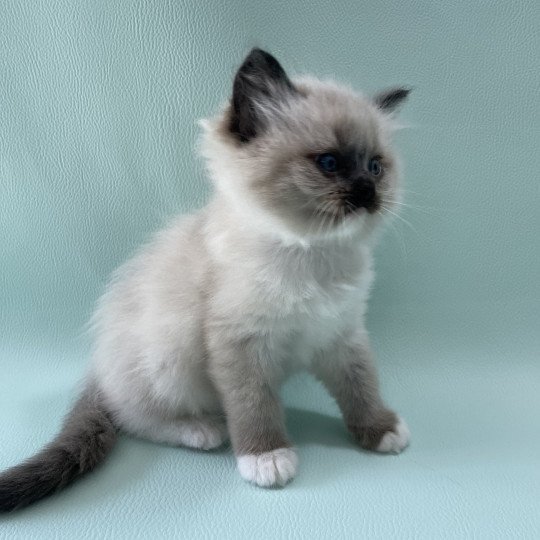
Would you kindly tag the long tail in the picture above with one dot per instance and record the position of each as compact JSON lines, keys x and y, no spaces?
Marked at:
{"x":86,"y":437}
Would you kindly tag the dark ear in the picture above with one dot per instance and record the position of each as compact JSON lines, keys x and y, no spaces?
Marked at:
{"x":259,"y":78}
{"x":389,"y":100}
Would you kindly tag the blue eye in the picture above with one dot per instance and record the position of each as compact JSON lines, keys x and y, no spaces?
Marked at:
{"x":327,"y":162}
{"x":375,"y":167}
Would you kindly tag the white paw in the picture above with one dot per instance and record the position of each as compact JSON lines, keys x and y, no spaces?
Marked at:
{"x":202,"y":435}
{"x":395,"y":442}
{"x":273,"y":468}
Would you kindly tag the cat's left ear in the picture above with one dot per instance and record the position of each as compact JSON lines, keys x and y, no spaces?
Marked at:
{"x":389,"y":100}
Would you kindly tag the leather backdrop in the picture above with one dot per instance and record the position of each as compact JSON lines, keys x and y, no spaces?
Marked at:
{"x":98,"y":108}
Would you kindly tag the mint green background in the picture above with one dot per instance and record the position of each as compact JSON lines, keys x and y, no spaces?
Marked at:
{"x":98,"y":109}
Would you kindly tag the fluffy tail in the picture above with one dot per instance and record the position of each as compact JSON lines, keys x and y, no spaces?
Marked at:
{"x":85,"y":439}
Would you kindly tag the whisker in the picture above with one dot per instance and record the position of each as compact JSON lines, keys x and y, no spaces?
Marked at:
{"x":324,"y":214}
{"x":332,"y":219}
{"x":385,"y":208}
{"x":408,"y":205}
{"x":399,"y":237}
{"x":342,"y":215}
{"x":314,"y":217}
{"x":331,"y":222}
{"x":425,"y":209}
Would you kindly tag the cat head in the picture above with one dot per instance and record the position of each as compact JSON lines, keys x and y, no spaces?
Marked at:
{"x":304,"y":157}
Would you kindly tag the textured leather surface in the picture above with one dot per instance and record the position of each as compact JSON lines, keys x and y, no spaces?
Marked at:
{"x":98,"y":104}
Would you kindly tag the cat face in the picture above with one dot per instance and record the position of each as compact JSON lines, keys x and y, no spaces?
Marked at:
{"x":313,"y":157}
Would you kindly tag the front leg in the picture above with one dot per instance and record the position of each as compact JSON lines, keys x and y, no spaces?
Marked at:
{"x":348,"y":372}
{"x":248,"y":389}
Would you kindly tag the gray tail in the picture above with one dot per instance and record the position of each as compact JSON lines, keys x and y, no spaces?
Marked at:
{"x":85,"y":439}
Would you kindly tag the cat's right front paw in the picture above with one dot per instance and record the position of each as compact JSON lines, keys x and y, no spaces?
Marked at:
{"x":396,"y":439}
{"x":389,"y":434}
{"x":273,"y":468}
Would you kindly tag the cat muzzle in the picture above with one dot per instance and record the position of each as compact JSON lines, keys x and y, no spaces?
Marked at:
{"x":363,"y":194}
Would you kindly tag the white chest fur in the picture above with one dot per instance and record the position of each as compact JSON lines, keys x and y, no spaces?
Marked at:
{"x":296,"y":298}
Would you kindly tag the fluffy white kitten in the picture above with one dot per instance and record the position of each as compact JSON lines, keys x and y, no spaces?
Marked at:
{"x":196,"y":333}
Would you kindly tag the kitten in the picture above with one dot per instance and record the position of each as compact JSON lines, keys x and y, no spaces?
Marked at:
{"x":195,"y":334}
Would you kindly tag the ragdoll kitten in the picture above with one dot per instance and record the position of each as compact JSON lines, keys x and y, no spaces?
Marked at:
{"x":196,"y":333}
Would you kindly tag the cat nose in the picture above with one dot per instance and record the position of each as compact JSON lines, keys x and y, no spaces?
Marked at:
{"x":363,"y":193}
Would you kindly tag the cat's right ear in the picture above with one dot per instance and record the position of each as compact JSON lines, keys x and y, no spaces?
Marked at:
{"x":260,"y":79}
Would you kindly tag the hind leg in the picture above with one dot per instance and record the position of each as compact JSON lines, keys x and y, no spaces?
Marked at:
{"x":202,"y":432}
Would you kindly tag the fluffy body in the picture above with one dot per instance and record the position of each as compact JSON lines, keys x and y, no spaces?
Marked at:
{"x":212,"y":276}
{"x":236,"y":290}
{"x":196,"y":333}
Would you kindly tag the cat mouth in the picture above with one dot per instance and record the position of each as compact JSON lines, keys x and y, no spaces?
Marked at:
{"x":340,"y":211}
{"x":348,"y":210}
